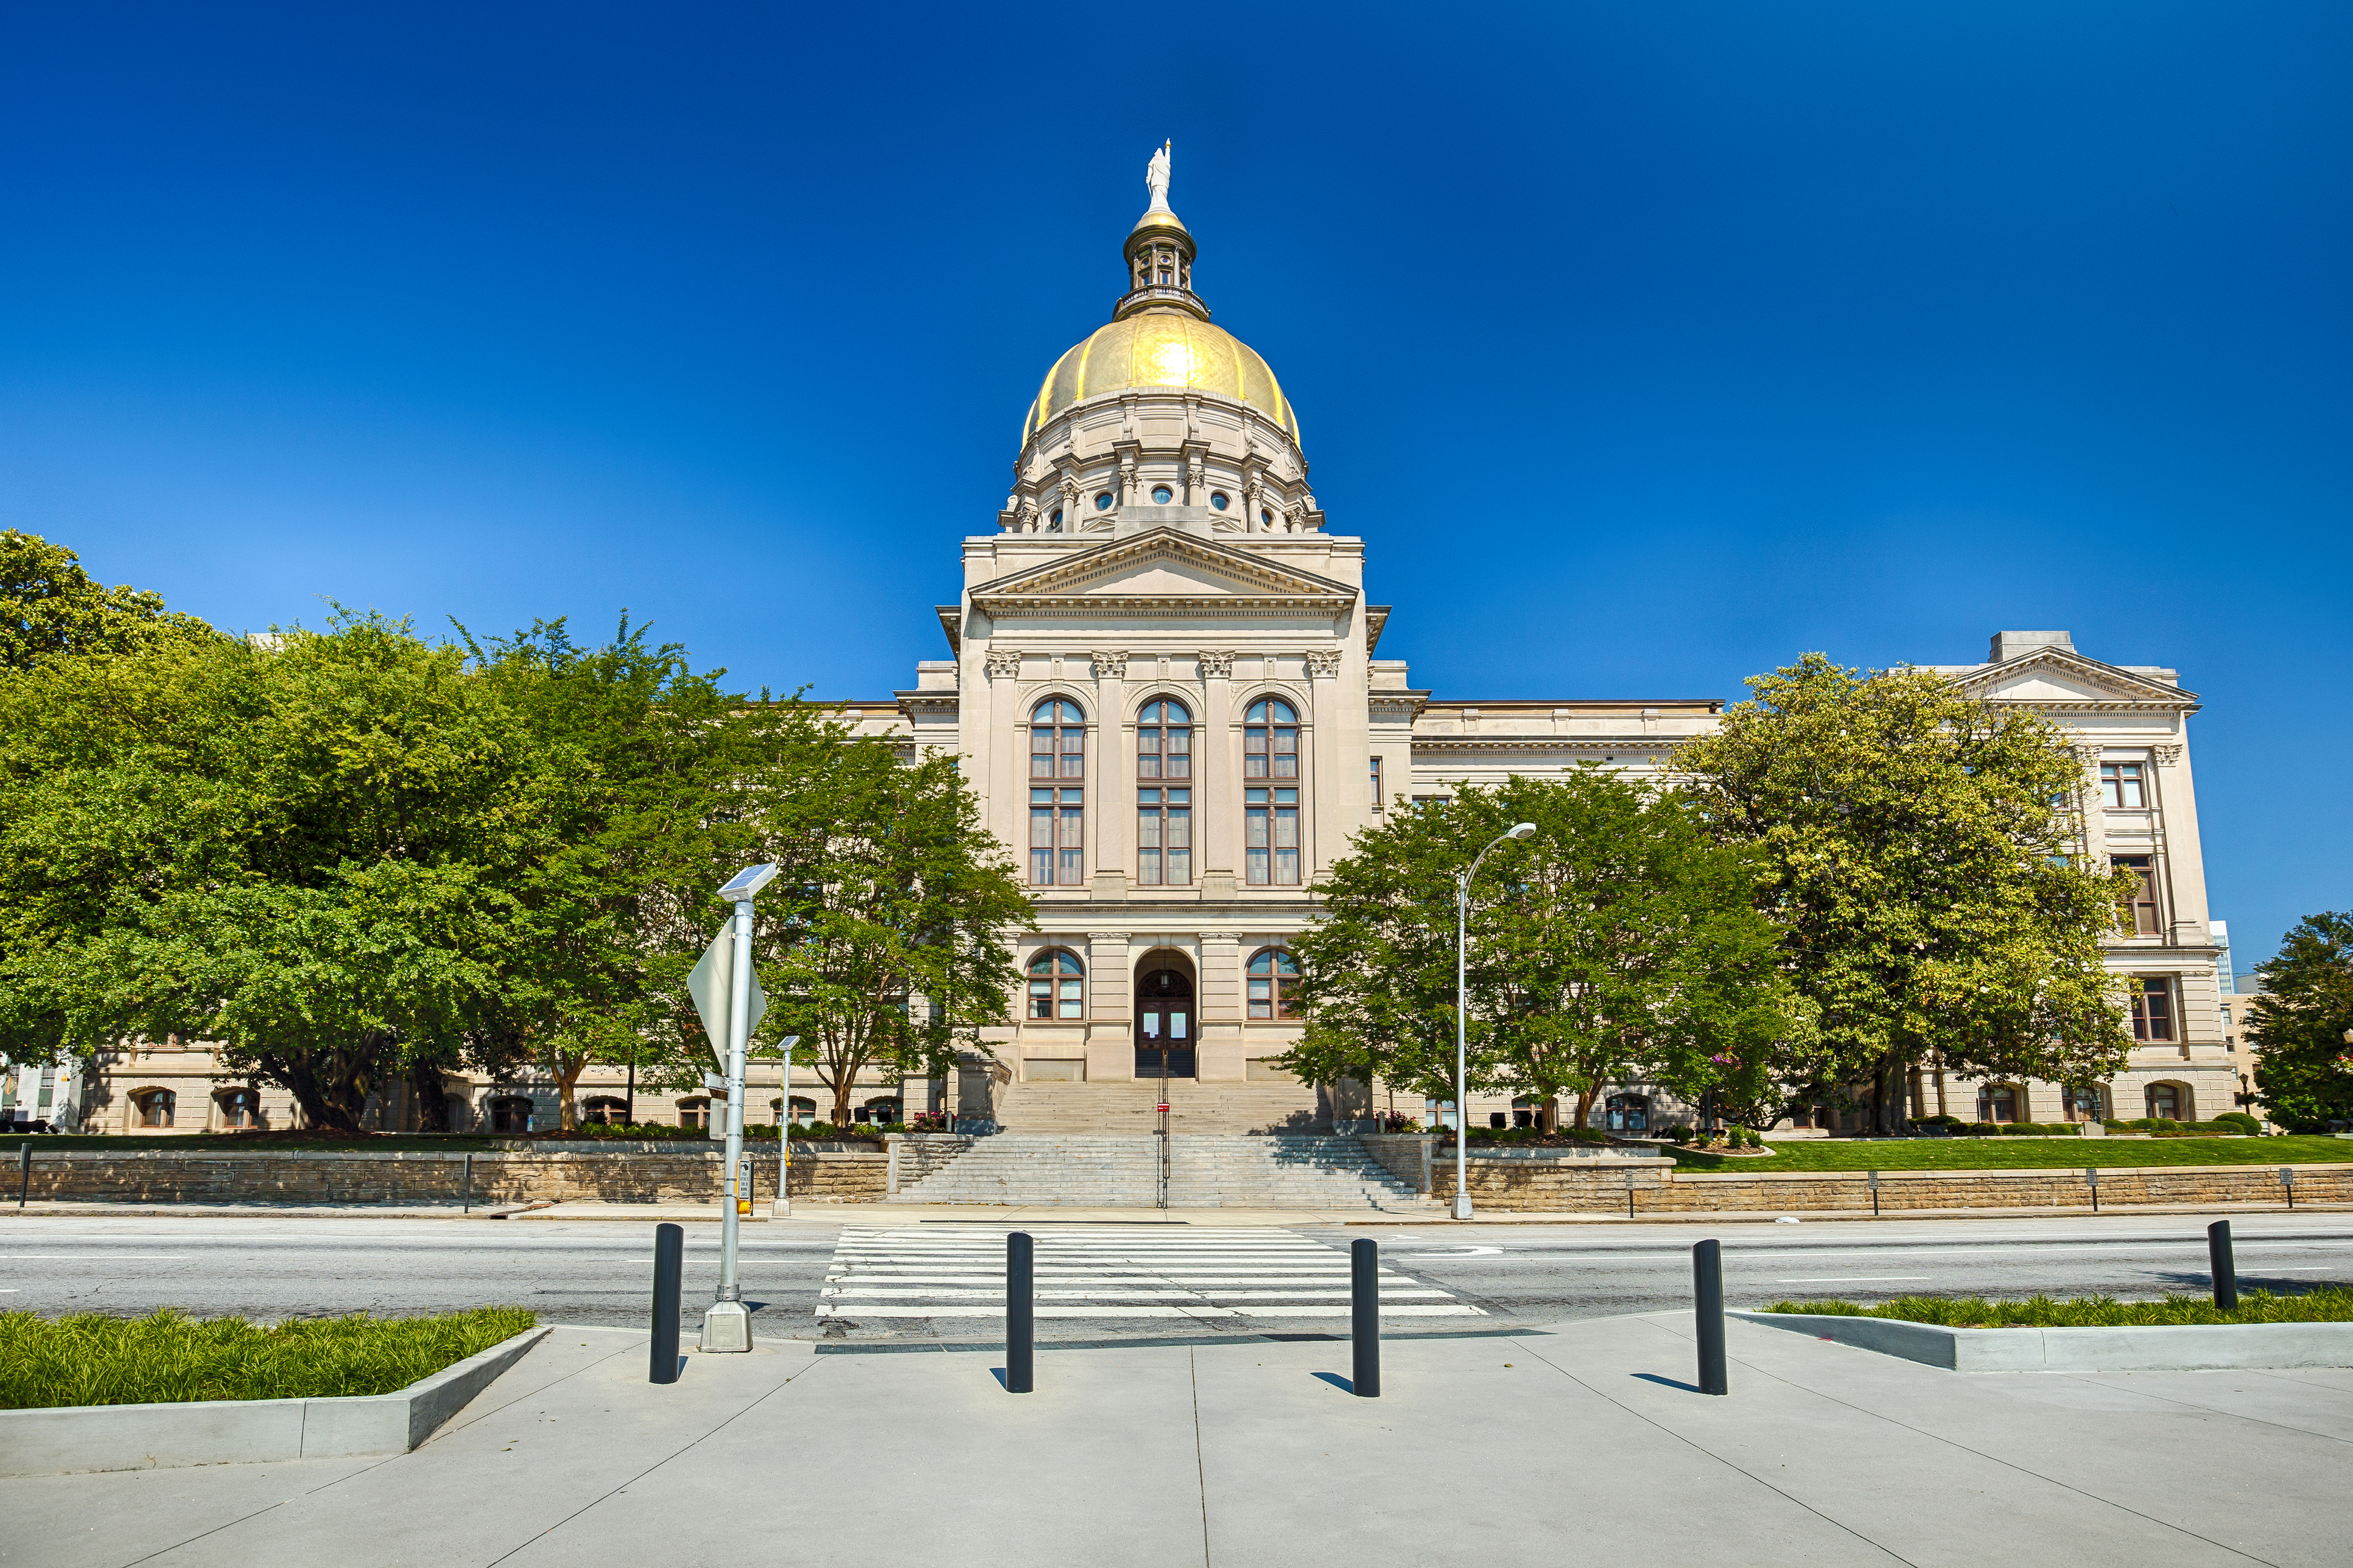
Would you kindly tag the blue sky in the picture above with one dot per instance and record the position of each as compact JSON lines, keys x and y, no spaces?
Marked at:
{"x":1648,"y":345}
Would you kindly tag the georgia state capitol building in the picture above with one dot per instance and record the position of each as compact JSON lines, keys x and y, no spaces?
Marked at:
{"x":1163,"y":671}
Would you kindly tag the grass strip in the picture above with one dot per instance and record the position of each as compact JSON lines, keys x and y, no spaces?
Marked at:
{"x":90,"y":1358}
{"x":2331,"y":1304}
{"x":2023,"y":1154}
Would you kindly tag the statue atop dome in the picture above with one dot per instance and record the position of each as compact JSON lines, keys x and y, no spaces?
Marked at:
{"x":1155,"y":179}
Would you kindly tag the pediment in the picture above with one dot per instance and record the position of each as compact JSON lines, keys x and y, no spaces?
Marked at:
{"x":2060,"y":679}
{"x":1162,"y":568}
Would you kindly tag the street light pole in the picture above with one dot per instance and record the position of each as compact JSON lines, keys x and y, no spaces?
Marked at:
{"x":1462,"y":1022}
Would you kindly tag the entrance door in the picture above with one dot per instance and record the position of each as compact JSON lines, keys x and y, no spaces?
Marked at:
{"x":1164,"y":1024}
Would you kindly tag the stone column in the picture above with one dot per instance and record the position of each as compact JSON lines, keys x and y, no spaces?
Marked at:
{"x":1111,"y":1012}
{"x":1112,"y":808}
{"x":995,"y":731}
{"x":2095,"y":822}
{"x":1219,"y":1000}
{"x":1324,"y":837}
{"x":1216,"y":799}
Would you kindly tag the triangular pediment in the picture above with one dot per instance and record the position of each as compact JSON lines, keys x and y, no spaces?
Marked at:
{"x":1162,"y":568}
{"x":2061,"y":678}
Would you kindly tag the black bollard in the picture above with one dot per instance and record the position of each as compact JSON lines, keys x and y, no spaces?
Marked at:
{"x":25,"y":1175}
{"x":670,"y":1267}
{"x":2225,"y":1270}
{"x":1020,"y":1313}
{"x":1708,"y":1305}
{"x":1365,"y":1316}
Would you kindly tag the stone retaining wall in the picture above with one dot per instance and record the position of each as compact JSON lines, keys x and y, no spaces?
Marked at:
{"x":408,"y":1179}
{"x":1570,"y":1188}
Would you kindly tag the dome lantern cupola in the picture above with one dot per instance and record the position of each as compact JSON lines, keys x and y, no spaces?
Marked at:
{"x":1160,"y":253}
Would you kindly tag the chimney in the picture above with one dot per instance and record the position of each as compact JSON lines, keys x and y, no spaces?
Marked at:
{"x":2008,"y":646}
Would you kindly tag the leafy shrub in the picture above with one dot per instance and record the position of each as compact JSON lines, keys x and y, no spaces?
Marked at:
{"x":1675,"y":1132}
{"x":2240,"y":1119}
{"x":1589,"y":1134}
{"x":2330,"y":1304}
{"x":93,"y":1359}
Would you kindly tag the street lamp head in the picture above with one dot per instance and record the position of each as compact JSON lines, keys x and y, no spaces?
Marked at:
{"x":1524,"y":830}
{"x":748,"y":882}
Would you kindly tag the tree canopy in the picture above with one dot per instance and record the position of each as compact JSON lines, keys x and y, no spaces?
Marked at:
{"x":2304,"y":1069}
{"x":1619,"y":943}
{"x":1922,"y":859}
{"x":50,"y":605}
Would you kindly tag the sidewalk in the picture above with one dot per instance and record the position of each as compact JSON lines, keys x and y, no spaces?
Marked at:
{"x":1534,"y":1448}
{"x":869,"y":1215}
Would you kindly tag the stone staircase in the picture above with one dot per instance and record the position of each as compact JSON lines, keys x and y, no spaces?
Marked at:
{"x":1129,"y":1107}
{"x":1205,"y":1171}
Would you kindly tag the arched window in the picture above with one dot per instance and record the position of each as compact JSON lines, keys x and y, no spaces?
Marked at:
{"x":1163,"y":825}
{"x":2083,"y":1104}
{"x":511,"y":1113}
{"x":2171,"y":1102}
{"x":1998,"y":1102}
{"x":605,"y":1111}
{"x":1057,"y":985}
{"x":155,"y":1107}
{"x":695,"y":1113}
{"x":1271,"y":741}
{"x":1274,"y":983}
{"x":239,"y":1108}
{"x":804,"y":1110}
{"x":1626,"y":1113}
{"x":1058,"y":751}
{"x":879,"y":1112}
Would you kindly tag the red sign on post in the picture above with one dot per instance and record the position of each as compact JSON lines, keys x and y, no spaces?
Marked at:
{"x":1160,"y":1107}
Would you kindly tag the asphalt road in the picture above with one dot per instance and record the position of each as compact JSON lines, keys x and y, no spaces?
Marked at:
{"x":598,"y":1272}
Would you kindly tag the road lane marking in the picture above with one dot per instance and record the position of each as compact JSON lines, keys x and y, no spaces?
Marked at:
{"x":1857,"y":1280}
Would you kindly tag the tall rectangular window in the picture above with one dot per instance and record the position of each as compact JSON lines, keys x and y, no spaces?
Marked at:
{"x":2122,"y":786}
{"x":1376,"y":784}
{"x":1164,"y":836}
{"x":2152,"y":1007}
{"x":1057,"y":828}
{"x":2141,"y":915}
{"x":1271,"y":836}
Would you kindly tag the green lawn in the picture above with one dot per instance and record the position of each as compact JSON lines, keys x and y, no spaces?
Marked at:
{"x":2331,"y":1304}
{"x":93,"y":1359}
{"x":2023,"y":1154}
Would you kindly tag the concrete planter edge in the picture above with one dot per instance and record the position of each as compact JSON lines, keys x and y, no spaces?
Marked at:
{"x":72,"y":1439}
{"x":2189,"y":1347}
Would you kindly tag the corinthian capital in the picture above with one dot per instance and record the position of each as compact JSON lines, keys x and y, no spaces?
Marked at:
{"x":1004,"y":662}
{"x":1110,"y":666}
{"x":1322,"y":661}
{"x":1219,"y":666}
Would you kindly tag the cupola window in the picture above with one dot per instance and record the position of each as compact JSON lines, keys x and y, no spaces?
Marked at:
{"x":1055,"y":521}
{"x":1220,"y":500}
{"x":1103,"y":501}
{"x":1162,"y":495}
{"x":1265,"y":517}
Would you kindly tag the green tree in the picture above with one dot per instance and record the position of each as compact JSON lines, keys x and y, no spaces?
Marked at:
{"x":49,"y":606}
{"x":1620,"y":941}
{"x":304,"y":852}
{"x":644,"y":820}
{"x":2303,"y":1071}
{"x":882,"y":939}
{"x":1921,"y":856}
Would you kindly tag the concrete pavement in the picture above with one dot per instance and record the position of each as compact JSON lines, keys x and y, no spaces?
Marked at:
{"x":1509,"y":1450}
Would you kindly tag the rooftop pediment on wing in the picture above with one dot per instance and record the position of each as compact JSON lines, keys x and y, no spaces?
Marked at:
{"x":2060,"y":679}
{"x":1163,"y":567}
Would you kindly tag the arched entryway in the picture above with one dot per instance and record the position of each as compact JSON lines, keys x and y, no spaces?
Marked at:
{"x":1166,"y":1028}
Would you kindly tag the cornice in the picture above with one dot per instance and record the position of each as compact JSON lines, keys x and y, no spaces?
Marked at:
{"x":1058,"y":588}
{"x":952,"y":623}
{"x":1628,"y":744}
{"x":2132,"y":693}
{"x":934,"y":701}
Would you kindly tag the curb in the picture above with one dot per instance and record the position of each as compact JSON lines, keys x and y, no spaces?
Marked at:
{"x":70,"y":1439}
{"x":2187,"y":1347}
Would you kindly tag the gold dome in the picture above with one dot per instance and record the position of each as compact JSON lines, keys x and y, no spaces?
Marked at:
{"x":1161,"y":348}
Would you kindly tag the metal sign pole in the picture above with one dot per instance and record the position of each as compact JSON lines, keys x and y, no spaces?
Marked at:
{"x":727,"y":1325}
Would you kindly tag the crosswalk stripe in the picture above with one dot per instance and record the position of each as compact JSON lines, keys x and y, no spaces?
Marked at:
{"x":1202,"y":1273}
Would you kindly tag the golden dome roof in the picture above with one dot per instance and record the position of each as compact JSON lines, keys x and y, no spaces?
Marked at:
{"x":1161,"y":348}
